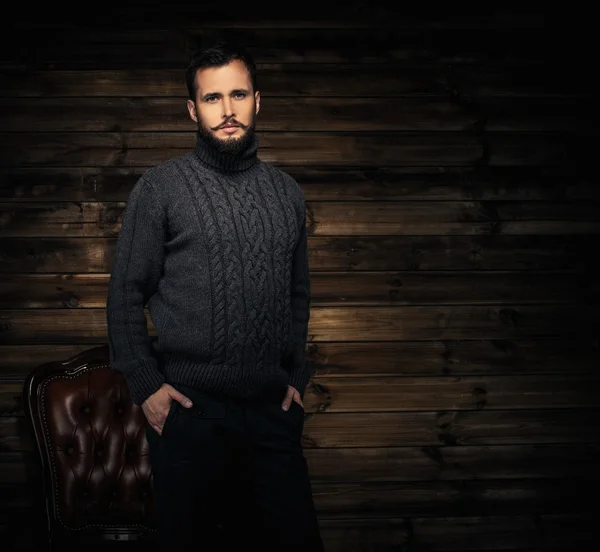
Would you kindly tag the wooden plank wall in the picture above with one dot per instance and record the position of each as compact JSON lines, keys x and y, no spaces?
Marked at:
{"x":447,"y":162}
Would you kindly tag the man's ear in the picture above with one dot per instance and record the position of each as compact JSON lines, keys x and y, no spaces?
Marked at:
{"x":192,"y":110}
{"x":257,"y":100}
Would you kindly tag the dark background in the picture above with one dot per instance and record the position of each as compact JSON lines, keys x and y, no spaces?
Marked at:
{"x":448,"y":160}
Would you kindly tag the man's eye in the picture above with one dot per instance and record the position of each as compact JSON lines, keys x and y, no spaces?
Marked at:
{"x":240,"y":95}
{"x":211,"y":98}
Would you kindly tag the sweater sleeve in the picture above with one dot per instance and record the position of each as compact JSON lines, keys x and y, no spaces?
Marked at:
{"x":300,"y":371}
{"x":135,"y":274}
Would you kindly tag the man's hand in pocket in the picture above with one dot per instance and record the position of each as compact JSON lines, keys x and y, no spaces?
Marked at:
{"x":156,"y":407}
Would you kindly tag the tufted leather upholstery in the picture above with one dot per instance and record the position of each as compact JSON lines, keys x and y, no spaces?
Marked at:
{"x":92,"y":446}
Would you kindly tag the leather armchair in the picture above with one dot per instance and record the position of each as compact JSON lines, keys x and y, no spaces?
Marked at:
{"x":90,"y":436}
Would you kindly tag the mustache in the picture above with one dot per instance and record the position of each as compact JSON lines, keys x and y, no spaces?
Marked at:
{"x":229,"y":122}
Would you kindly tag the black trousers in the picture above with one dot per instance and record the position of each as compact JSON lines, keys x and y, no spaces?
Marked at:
{"x":230,"y":473}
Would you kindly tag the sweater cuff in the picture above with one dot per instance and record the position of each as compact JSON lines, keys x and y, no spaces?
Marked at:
{"x":300,"y":375}
{"x":142,"y":376}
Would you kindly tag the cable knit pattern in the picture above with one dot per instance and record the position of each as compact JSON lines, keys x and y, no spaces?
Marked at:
{"x":220,"y":261}
{"x":215,"y":246}
{"x":283,"y":210}
{"x":278,"y":228}
{"x":255,"y":273}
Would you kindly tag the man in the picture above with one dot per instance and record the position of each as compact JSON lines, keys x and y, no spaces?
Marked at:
{"x":214,"y":243}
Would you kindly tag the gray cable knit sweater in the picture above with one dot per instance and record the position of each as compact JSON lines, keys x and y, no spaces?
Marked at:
{"x":215,"y":246}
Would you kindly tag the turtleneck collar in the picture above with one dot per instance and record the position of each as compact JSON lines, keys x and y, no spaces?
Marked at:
{"x":225,"y":162}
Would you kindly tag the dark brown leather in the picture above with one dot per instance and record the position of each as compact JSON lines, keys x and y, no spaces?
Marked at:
{"x":92,"y":447}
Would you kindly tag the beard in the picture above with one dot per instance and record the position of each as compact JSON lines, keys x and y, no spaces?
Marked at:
{"x":230,"y":146}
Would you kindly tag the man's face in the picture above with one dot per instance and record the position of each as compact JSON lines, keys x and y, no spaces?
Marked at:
{"x":226,"y":106}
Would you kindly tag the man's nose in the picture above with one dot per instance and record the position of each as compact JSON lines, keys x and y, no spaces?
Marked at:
{"x":227,"y":107}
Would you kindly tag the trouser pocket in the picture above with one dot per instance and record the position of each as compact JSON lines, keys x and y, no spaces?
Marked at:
{"x":171,"y":416}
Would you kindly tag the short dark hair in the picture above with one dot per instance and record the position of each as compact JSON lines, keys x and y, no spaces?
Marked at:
{"x":219,"y":54}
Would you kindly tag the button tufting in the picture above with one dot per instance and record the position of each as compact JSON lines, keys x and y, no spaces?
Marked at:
{"x":86,"y":409}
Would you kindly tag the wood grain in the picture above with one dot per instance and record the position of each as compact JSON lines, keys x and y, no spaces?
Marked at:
{"x":340,"y":79}
{"x":361,"y":430}
{"x":304,"y":114}
{"x":363,"y":149}
{"x":414,"y":394}
{"x":405,"y":358}
{"x":276,"y":114}
{"x":22,"y":290}
{"x":331,"y":218}
{"x":404,"y":464}
{"x":327,"y":184}
{"x":350,"y":253}
{"x":72,"y":326}
{"x":359,"y":149}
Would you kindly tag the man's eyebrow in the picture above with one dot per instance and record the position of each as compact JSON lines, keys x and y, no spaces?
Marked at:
{"x":218,"y":94}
